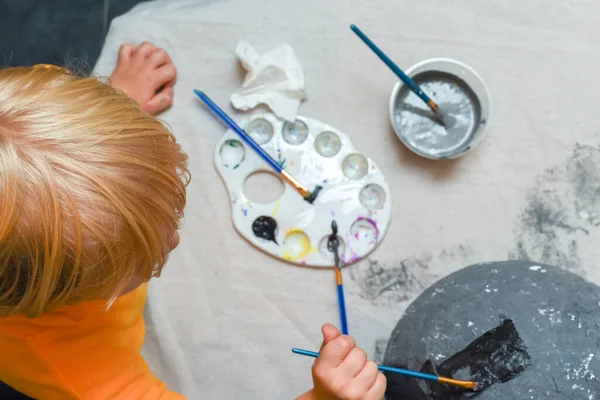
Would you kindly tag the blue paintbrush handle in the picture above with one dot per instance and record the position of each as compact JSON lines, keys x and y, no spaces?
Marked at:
{"x":247,"y":138}
{"x":342,"y":303}
{"x":401,"y":371}
{"x":403,"y":77}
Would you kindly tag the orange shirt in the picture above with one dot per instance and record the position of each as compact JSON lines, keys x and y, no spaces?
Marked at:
{"x":81,"y":352}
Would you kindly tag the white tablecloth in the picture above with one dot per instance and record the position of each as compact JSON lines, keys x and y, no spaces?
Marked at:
{"x":224,"y":316}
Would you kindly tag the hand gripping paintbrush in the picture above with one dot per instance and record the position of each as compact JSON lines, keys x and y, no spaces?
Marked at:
{"x":406,"y":372}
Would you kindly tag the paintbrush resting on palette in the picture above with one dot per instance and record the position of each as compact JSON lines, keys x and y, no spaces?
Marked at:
{"x":306,"y":194}
{"x":406,"y":372}
{"x":411,"y":84}
{"x":333,"y":245}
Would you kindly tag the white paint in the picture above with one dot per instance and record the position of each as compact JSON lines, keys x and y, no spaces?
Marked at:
{"x":583,"y":372}
{"x":535,"y":268}
{"x":553,"y":315}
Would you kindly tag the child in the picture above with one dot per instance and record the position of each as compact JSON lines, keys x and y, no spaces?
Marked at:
{"x":92,"y":190}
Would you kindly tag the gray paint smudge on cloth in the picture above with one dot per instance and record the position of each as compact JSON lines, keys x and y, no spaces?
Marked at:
{"x":563,"y":210}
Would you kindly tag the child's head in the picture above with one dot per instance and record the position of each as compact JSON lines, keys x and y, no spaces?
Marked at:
{"x":91,"y":191}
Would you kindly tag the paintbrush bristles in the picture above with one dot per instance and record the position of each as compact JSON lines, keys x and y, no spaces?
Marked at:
{"x":464,"y":384}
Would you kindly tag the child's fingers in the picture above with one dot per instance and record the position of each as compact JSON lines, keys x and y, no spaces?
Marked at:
{"x":126,"y":51}
{"x":159,"y":57}
{"x":353,"y":364}
{"x":164,"y":76}
{"x":329,"y":332}
{"x":365,"y":378}
{"x":144,"y":50}
{"x":161,"y":101}
{"x":377,"y":391}
{"x":335,"y":351}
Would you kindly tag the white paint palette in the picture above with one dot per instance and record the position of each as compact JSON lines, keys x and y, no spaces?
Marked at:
{"x":354,"y":191}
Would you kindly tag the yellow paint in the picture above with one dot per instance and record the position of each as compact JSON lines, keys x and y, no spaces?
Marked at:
{"x":275,"y":209}
{"x":296,"y":245}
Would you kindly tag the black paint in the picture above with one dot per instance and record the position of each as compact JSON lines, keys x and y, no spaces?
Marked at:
{"x":313,"y":196}
{"x":333,"y":244}
{"x":497,"y":356}
{"x":265,"y":227}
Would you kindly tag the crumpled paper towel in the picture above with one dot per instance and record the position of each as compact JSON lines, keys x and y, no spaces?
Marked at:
{"x":274,"y":78}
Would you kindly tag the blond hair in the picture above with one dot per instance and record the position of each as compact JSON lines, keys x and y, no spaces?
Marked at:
{"x":92,"y":190}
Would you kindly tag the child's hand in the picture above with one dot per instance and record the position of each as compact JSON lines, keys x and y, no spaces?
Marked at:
{"x":141,"y":72}
{"x":342,"y":371}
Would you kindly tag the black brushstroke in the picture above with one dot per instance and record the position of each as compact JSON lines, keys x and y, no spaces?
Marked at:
{"x":497,"y":356}
{"x":265,"y":227}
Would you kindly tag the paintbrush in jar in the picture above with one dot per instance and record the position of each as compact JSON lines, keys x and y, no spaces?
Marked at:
{"x":406,"y":372}
{"x":408,"y":81}
{"x":306,"y":194}
{"x":333,"y":245}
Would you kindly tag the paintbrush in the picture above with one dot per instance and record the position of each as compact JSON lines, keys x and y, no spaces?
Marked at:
{"x":333,"y":245}
{"x":306,"y":194}
{"x":406,"y":372}
{"x":409,"y":82}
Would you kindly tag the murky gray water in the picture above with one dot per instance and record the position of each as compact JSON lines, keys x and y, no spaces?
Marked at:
{"x":459,"y":106}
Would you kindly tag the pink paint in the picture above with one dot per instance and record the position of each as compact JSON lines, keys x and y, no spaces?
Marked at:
{"x":372,"y":222}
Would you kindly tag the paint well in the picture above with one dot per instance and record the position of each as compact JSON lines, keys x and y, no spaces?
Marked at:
{"x":295,"y":133}
{"x":232,"y":153}
{"x":296,"y":245}
{"x":363,"y":235}
{"x":372,"y":197}
{"x":355,"y":166}
{"x":328,"y":144}
{"x":260,"y":130}
{"x":326,"y":253}
{"x":417,"y":125}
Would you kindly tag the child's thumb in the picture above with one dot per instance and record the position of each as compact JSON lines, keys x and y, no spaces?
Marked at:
{"x":330,"y":332}
{"x":160,"y":102}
